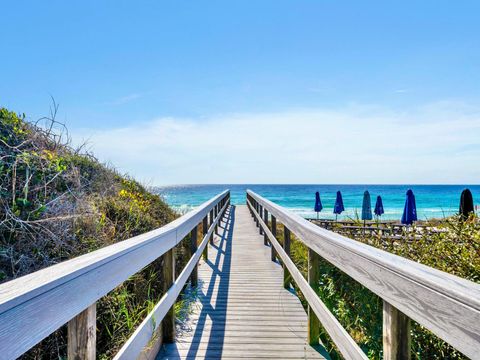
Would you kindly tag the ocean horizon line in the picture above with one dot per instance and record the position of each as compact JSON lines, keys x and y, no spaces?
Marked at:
{"x":321,"y":184}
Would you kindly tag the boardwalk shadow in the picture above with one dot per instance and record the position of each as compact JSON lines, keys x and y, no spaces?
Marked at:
{"x":213,"y":300}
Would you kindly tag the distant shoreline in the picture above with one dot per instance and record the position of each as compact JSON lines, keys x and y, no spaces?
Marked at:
{"x":433,"y":201}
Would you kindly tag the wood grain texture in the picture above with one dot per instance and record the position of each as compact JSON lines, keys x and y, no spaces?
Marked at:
{"x":260,"y":230}
{"x":396,"y":334}
{"x":193,"y":250}
{"x":265,"y":219}
{"x":313,"y":279}
{"x":168,"y":321}
{"x":210,"y":223}
{"x":273,"y":254}
{"x":35,"y":305}
{"x":445,"y":304}
{"x":82,"y":335}
{"x":242,"y":310}
{"x":344,"y":342}
{"x":204,"y":231}
{"x":287,"y":278}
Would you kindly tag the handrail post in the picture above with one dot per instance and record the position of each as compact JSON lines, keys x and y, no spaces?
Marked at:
{"x":204,"y":232}
{"x":216,"y":214}
{"x":274,"y":232}
{"x":168,"y":322}
{"x":286,"y":246}
{"x":82,"y":334}
{"x":261,"y":216}
{"x":193,"y":250}
{"x":210,"y":224}
{"x":265,"y":220}
{"x":396,"y":333}
{"x":313,"y":279}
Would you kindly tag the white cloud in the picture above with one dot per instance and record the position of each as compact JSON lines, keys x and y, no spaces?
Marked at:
{"x":436,"y":143}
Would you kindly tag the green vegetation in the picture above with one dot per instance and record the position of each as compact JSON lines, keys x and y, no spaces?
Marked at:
{"x":454,"y":250}
{"x":58,"y":203}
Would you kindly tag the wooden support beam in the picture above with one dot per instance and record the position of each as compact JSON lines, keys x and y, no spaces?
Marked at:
{"x":210,"y":224}
{"x":265,"y":219}
{"x":168,"y":322}
{"x":313,"y":278}
{"x":261,"y":216}
{"x":396,"y":334}
{"x":215,"y":216}
{"x":82,"y":335}
{"x":287,"y":278}
{"x":193,"y":250}
{"x":274,"y":232}
{"x":204,"y":232}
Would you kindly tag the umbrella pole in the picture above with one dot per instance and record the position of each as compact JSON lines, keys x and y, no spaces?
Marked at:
{"x":317,"y":215}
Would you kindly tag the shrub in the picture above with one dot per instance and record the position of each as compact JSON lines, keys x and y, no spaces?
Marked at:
{"x":58,"y":203}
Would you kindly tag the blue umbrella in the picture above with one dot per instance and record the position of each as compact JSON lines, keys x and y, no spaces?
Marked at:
{"x":318,"y":203}
{"x":379,"y":206}
{"x":366,"y":207}
{"x":338,"y":208}
{"x":410,"y":210}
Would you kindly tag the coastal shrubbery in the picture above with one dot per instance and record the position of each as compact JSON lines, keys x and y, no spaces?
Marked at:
{"x":58,"y":203}
{"x":454,"y":250}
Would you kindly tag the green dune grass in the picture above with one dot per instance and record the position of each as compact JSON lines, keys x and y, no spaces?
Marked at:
{"x":58,"y":203}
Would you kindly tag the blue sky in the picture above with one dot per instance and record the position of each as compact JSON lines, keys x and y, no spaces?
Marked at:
{"x":366,"y":76}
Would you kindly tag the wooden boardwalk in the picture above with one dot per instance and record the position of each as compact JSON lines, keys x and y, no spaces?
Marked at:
{"x":242,"y":310}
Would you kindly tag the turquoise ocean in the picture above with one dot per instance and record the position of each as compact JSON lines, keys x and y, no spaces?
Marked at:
{"x":433,"y":201}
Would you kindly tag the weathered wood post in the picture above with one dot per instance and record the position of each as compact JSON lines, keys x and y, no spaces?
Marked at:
{"x":257,"y":209}
{"x":396,"y":333}
{"x":82,"y":335}
{"x":168,"y":322}
{"x":215,"y":212}
{"x":313,"y":278}
{"x":260,"y":212}
{"x":210,"y":224}
{"x":265,"y":220}
{"x":286,"y":246}
{"x":193,"y":250}
{"x":274,"y":232}
{"x":204,"y":232}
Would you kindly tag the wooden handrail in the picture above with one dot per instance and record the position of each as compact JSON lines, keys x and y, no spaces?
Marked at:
{"x":445,"y":304}
{"x":147,"y":328}
{"x":339,"y":335}
{"x":35,"y":305}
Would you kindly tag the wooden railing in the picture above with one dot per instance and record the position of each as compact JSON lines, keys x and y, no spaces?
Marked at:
{"x":445,"y":304}
{"x":35,"y":305}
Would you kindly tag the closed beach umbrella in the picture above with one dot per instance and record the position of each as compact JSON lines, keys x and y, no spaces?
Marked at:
{"x":366,"y":207}
{"x":338,"y":208}
{"x":466,"y":203}
{"x":379,"y":206}
{"x":410,"y":210}
{"x":318,"y":203}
